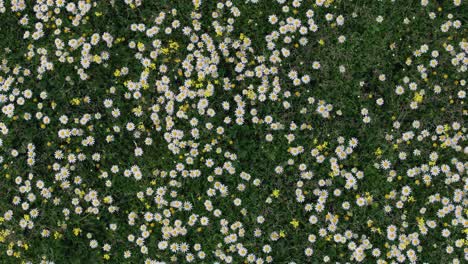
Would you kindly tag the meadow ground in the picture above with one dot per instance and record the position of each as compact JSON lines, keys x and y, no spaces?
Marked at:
{"x":242,"y":131}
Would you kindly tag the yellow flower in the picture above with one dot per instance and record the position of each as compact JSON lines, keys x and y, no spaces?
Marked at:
{"x":418,"y":97}
{"x":378,"y":152}
{"x":75,"y":101}
{"x":294,"y":223}
{"x":208,"y":93}
{"x":251,"y":94}
{"x":76,"y":231}
{"x":97,"y":58}
{"x":196,"y":3}
{"x":276,"y":193}
{"x":174,"y":45}
{"x":184,"y":107}
{"x":282,"y":233}
{"x":137,"y":110}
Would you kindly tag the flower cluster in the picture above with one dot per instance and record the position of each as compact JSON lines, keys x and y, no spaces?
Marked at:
{"x":303,"y":131}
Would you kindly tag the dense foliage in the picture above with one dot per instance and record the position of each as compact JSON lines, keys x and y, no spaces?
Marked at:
{"x":233,"y":131}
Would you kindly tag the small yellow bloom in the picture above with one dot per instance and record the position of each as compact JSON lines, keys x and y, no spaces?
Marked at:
{"x":76,"y":231}
{"x":418,"y":98}
{"x":294,"y":223}
{"x":208,"y":93}
{"x":276,"y":193}
{"x":282,"y":233}
{"x":378,"y":152}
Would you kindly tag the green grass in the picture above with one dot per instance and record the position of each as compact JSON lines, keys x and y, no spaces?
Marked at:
{"x":354,"y":75}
